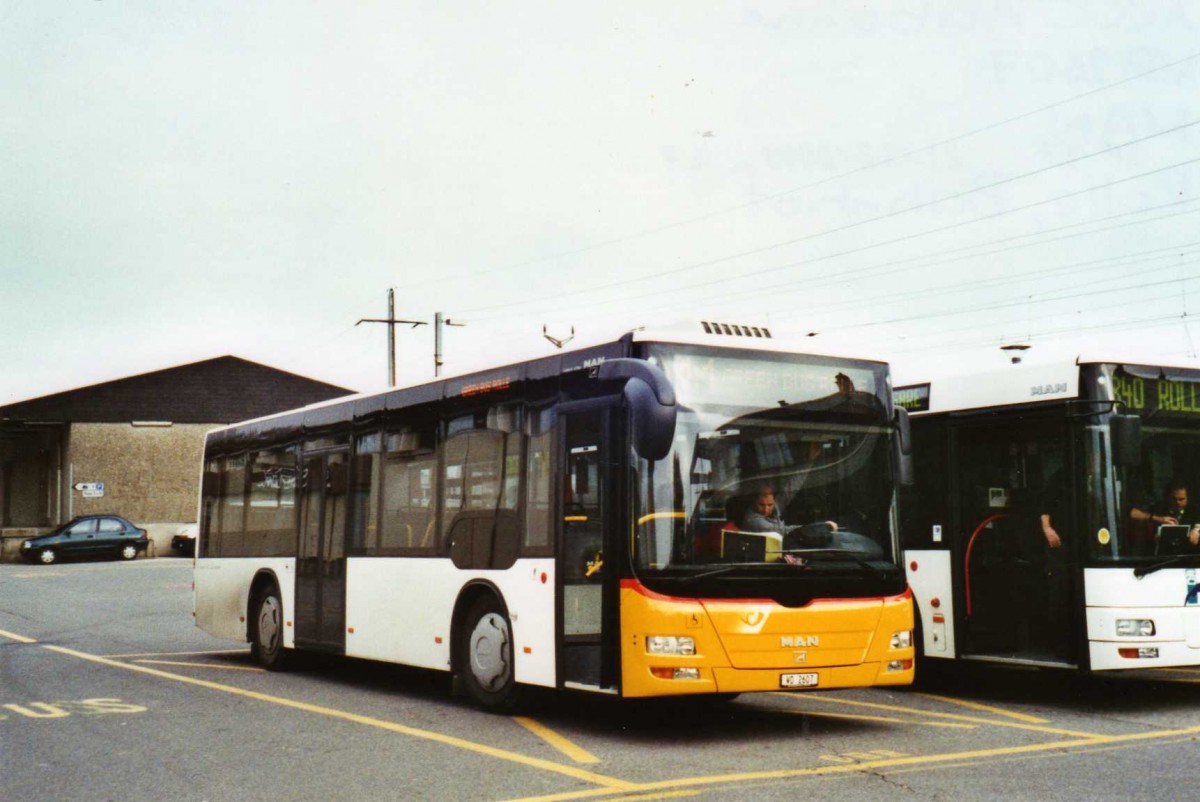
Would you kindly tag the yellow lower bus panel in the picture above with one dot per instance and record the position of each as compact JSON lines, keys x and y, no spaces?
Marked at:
{"x":672,"y":646}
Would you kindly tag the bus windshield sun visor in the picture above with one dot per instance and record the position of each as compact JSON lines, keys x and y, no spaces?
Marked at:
{"x":651,"y":402}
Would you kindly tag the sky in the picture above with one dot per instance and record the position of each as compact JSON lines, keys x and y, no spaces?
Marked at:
{"x":920,"y":181}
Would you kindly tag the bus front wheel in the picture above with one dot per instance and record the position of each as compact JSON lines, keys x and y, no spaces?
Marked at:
{"x":266,"y":635}
{"x":486,"y":650}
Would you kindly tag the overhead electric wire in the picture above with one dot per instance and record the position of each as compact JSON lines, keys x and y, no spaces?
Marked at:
{"x":958,"y":343}
{"x":1073,"y":294}
{"x":899,"y":265}
{"x":878,"y":218}
{"x":975,"y":285}
{"x":1158,"y":321}
{"x":830,"y":179}
{"x":1165,"y":253}
{"x":877,"y":270}
{"x":871,"y":246}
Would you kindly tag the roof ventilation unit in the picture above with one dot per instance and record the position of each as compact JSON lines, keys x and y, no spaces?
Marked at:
{"x":734,"y":329}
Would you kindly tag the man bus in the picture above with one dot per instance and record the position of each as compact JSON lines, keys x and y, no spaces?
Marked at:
{"x":574,"y":521}
{"x":1029,"y":538}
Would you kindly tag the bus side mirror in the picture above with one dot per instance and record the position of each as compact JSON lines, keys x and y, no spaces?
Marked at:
{"x":651,"y":400}
{"x":1126,"y":439}
{"x":905,"y":474}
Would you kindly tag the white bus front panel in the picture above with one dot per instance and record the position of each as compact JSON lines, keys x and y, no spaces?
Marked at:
{"x":929,"y":578}
{"x":1166,"y":598}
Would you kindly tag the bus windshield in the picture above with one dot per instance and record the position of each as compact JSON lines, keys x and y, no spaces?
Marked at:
{"x":778,"y":460}
{"x":1159,"y":498}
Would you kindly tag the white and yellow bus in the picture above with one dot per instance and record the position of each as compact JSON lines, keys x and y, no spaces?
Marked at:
{"x":576,"y":521}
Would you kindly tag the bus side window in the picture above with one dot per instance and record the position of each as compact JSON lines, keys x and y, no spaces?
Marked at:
{"x":210,"y":526}
{"x":409,"y":492}
{"x":271,"y":516}
{"x":233,"y":506}
{"x":364,"y":495}
{"x":539,"y":520}
{"x":481,"y":491}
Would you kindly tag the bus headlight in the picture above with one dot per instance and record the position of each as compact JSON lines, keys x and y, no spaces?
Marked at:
{"x":1135,"y":627}
{"x":901,"y":640}
{"x":670,"y":644}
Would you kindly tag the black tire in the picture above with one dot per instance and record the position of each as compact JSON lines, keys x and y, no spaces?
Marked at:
{"x":128,"y":552}
{"x":486,"y":657}
{"x":266,"y":630}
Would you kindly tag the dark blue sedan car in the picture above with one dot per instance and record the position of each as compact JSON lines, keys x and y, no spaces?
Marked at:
{"x":87,"y":536}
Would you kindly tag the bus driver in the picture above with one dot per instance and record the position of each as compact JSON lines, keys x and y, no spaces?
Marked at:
{"x":1172,"y":510}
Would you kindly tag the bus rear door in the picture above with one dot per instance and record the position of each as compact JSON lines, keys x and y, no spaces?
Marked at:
{"x":321,"y":557}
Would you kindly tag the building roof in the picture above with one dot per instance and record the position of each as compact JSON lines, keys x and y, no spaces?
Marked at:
{"x":220,"y":390}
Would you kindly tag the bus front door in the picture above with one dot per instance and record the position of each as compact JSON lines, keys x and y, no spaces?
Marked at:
{"x":1010,"y":476}
{"x":321,"y":558}
{"x":588,"y":585}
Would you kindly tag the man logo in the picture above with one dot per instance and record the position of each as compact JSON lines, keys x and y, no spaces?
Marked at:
{"x":799,"y":641}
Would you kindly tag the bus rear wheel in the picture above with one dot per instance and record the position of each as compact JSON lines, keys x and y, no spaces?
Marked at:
{"x":486,"y":657}
{"x":266,"y":631}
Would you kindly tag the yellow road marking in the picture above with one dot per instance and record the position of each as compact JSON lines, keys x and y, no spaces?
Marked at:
{"x":884,"y":719}
{"x":16,"y":637}
{"x":916,"y":761}
{"x":675,"y":787}
{"x":217,"y":666}
{"x":936,"y":714}
{"x":571,"y":750}
{"x":449,"y":740}
{"x":660,"y":795}
{"x":565,"y":796}
{"x":175,"y":654}
{"x":985,"y":708}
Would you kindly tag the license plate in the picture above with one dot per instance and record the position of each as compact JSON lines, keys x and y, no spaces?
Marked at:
{"x":797,"y":680}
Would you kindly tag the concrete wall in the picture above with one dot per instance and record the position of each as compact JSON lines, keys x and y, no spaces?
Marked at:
{"x":151,"y":474}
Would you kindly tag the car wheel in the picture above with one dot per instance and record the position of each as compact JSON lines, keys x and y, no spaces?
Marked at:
{"x":486,"y":654}
{"x":47,"y":555}
{"x":128,"y":551}
{"x":266,"y":631}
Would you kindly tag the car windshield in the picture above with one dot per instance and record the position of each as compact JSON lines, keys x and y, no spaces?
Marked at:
{"x":778,"y":460}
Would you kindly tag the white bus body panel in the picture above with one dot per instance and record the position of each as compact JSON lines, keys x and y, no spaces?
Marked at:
{"x":400,"y":610}
{"x":223,"y":594}
{"x":932,"y":580}
{"x":1113,"y":593}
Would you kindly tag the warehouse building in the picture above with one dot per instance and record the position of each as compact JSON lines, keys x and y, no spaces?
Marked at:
{"x":131,"y":446}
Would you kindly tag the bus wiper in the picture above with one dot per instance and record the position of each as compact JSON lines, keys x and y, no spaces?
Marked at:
{"x":1149,"y":569}
{"x":724,"y":569}
{"x":853,"y":556}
